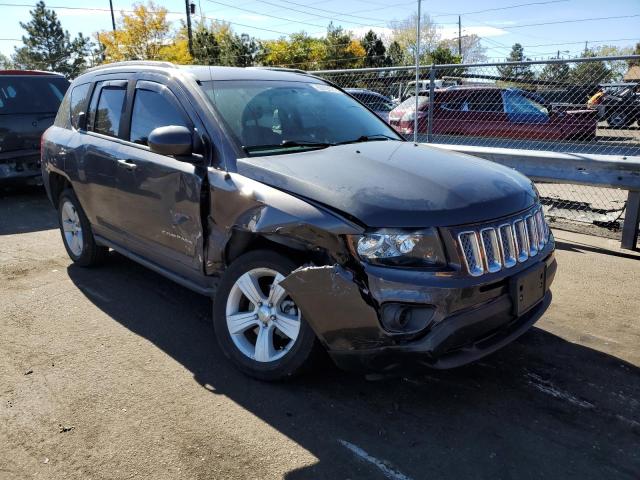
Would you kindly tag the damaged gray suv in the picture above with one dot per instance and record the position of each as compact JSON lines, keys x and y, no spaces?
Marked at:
{"x":305,"y":217}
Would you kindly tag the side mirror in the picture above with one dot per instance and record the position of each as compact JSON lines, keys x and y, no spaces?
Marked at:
{"x":171,"y":140}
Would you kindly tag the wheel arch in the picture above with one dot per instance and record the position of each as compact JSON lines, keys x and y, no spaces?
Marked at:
{"x":57,"y":184}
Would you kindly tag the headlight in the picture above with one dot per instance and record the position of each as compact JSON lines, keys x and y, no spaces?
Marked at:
{"x":412,"y":249}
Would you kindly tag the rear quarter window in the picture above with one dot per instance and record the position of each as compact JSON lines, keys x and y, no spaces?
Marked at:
{"x":36,"y":94}
{"x":78,"y":102}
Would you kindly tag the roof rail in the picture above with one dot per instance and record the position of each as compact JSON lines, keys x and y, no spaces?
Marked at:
{"x":283,"y":69}
{"x":133,"y":63}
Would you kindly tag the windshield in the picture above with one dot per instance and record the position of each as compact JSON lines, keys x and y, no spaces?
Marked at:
{"x":31,"y":94}
{"x":268,"y":117}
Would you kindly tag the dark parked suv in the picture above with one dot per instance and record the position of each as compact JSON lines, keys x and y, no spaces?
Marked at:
{"x":310,"y":222}
{"x":29,"y":100}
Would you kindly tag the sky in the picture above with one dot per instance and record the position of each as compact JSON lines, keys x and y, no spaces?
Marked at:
{"x":499,"y":23}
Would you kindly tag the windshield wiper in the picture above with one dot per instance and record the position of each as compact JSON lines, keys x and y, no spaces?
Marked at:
{"x":377,"y":137}
{"x":287,"y":144}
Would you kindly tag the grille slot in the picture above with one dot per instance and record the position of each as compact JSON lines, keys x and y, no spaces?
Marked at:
{"x":491,"y":248}
{"x":508,"y":245}
{"x":532,"y":232}
{"x":472,"y":255}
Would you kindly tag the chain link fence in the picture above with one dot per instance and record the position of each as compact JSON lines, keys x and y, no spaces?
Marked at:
{"x":589,"y":105}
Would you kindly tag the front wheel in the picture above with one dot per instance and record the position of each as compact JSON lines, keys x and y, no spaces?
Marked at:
{"x":258,"y":325}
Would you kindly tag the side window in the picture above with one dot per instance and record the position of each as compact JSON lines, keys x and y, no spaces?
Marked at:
{"x":109,"y":111}
{"x":485,"y":101}
{"x":152,"y":110}
{"x":79,"y":96}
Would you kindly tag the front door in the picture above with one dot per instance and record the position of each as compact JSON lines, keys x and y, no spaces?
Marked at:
{"x":160,"y":195}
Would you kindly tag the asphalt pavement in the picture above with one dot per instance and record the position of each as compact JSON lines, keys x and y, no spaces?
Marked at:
{"x":114,"y":373}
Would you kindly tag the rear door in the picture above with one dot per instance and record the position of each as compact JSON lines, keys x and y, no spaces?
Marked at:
{"x":160,"y":195}
{"x":95,"y":172}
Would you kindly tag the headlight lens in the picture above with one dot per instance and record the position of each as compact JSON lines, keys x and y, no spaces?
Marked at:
{"x":416,"y":249}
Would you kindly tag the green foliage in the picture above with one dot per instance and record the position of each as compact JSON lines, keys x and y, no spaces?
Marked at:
{"x":47,"y":46}
{"x":516,"y":72}
{"x":556,"y":72}
{"x":375,"y":50}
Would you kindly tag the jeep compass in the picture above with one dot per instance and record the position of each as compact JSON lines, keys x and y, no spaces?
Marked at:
{"x":309,"y":221}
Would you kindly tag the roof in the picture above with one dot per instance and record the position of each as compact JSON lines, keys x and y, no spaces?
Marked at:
{"x":30,"y":72}
{"x":207,"y":72}
{"x":632,"y":74}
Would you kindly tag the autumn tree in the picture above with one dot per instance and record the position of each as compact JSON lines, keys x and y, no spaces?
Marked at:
{"x":47,"y":46}
{"x":298,"y":51}
{"x":144,"y":34}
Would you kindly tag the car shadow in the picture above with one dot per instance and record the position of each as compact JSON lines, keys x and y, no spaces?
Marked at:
{"x":25,"y":209}
{"x":541,"y":407}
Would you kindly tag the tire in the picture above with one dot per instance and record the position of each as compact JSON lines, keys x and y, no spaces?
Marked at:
{"x":76,"y":232}
{"x":279,"y":356}
{"x":619,"y":120}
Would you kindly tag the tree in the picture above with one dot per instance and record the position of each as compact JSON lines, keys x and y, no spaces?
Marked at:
{"x":374,"y":50}
{"x":556,"y":73}
{"x":6,"y":63}
{"x":404,"y":33}
{"x":590,"y":73}
{"x":443,"y":55}
{"x":206,"y":49}
{"x":636,"y":51}
{"x":299,"y":51}
{"x":516,"y":72}
{"x":472,"y":49}
{"x":143,"y":34}
{"x":47,"y":46}
{"x":396,"y":55}
{"x":342,"y":51}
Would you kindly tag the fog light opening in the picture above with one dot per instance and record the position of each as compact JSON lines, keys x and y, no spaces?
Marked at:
{"x":406,"y":318}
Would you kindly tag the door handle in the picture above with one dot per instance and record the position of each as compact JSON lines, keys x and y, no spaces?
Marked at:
{"x":128,"y":164}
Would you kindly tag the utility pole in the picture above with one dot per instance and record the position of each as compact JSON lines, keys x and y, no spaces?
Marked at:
{"x":460,"y":36}
{"x":415,"y":119}
{"x":190,"y":9}
{"x":113,"y":18}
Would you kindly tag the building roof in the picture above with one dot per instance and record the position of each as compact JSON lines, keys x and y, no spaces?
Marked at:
{"x":633,"y":74}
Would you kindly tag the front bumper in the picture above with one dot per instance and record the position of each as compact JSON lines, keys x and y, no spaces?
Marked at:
{"x":473,"y":317}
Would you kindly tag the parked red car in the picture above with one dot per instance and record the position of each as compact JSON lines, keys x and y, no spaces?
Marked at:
{"x":495,"y":112}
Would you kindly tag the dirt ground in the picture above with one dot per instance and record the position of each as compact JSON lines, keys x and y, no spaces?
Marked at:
{"x":113,"y":373}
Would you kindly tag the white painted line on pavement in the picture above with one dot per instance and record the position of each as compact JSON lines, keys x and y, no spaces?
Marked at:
{"x":388,"y":471}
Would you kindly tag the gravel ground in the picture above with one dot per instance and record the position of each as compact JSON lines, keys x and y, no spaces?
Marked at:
{"x":113,"y":373}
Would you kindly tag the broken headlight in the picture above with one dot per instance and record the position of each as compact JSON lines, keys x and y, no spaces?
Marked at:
{"x":421,"y":248}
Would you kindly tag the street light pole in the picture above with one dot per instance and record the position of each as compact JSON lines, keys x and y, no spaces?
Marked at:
{"x":187,"y":4}
{"x":415,"y":118}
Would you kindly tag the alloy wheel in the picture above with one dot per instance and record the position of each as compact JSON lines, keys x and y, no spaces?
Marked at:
{"x":263,"y":321}
{"x":72,"y":228}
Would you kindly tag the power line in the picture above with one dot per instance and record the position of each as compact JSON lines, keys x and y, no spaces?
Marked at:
{"x":570,"y":21}
{"x":508,"y":7}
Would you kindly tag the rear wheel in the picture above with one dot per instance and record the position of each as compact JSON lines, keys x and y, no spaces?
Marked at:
{"x":76,"y":232}
{"x":258,"y":325}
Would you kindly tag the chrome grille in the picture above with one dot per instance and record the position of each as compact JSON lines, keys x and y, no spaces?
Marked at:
{"x":491,"y":248}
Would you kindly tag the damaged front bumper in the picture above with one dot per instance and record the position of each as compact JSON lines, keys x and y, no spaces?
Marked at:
{"x":467,"y":318}
{"x":22,"y":166}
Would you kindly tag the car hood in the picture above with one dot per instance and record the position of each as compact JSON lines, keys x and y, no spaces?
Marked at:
{"x":397,"y":184}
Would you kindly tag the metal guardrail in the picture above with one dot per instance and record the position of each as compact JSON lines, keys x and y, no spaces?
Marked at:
{"x":579,"y":169}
